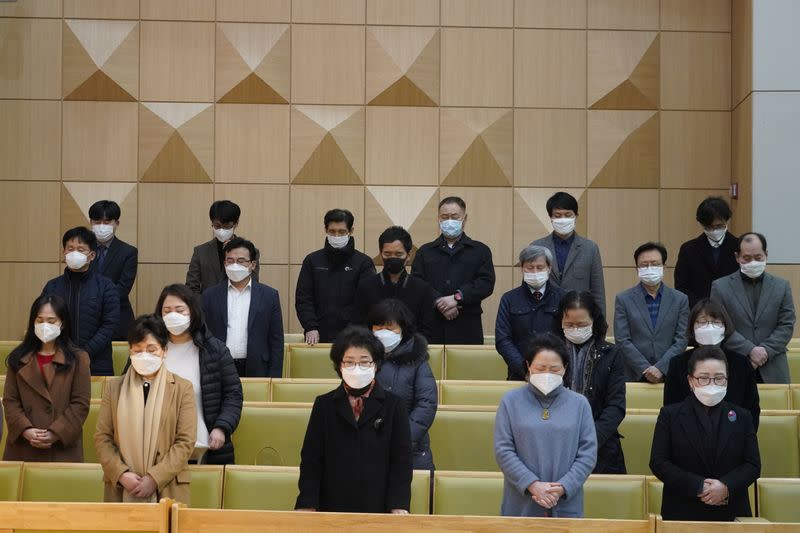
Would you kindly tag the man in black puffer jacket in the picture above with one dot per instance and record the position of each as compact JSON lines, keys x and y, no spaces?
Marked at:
{"x":92,"y":300}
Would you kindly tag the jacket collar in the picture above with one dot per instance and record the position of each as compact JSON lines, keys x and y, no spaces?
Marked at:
{"x":29,"y":371}
{"x":464,"y":239}
{"x":372,"y":405}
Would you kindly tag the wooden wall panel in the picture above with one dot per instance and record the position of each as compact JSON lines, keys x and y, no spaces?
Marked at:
{"x":623,"y":14}
{"x":695,"y":149}
{"x":22,"y":284}
{"x":151,"y":280}
{"x":101,"y":9}
{"x":78,"y":196}
{"x":30,"y":214}
{"x":402,"y":146}
{"x":30,"y":58}
{"x":403,"y":12}
{"x":413,"y":208}
{"x":531,"y":219}
{"x":550,"y":68}
{"x":254,"y":10}
{"x":177,"y":9}
{"x":489,"y":213}
{"x":741,"y":49}
{"x":32,"y":8}
{"x":694,"y":15}
{"x":477,"y":67}
{"x":678,"y":224}
{"x":30,"y":140}
{"x":618,"y":235}
{"x":742,"y":164}
{"x":696,"y":71}
{"x":329,"y":11}
{"x":482,"y":13}
{"x":549,"y":14}
{"x":550,"y":147}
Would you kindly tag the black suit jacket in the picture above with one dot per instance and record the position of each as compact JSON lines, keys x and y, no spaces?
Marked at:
{"x":264,"y":327}
{"x":120,"y":266}
{"x":354,"y":466}
{"x":678,"y":459}
{"x":205,"y":269}
{"x":695,"y":270}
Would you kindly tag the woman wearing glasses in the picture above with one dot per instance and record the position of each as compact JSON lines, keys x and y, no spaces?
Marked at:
{"x":710,"y":325}
{"x":705,"y":449}
{"x":356,"y":455}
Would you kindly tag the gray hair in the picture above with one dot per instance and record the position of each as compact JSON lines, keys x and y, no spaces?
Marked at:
{"x":533,"y":252}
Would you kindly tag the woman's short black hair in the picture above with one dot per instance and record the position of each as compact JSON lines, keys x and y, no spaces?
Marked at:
{"x":225,"y":211}
{"x":83,"y":235}
{"x":584,"y":300}
{"x":562,"y":200}
{"x":356,"y":337}
{"x":105,"y":209}
{"x":339,"y":215}
{"x":31,"y":343}
{"x":395,"y":233}
{"x":191,"y":300}
{"x":148,"y":325}
{"x":240,"y":242}
{"x":648,"y":247}
{"x":706,"y":353}
{"x":712,"y":208}
{"x":391,"y":310}
{"x":713,"y":310}
{"x":542,"y":342}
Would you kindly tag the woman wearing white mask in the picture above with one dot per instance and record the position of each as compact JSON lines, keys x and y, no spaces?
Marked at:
{"x":47,"y":389}
{"x":710,"y":325}
{"x":146,"y":426}
{"x":544,"y":438}
{"x":406,"y":373}
{"x":206,"y":363}
{"x":356,"y":456}
{"x":595,"y":370}
{"x":705,"y":449}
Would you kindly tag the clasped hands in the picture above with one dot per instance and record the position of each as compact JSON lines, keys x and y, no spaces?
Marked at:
{"x":758,"y":356}
{"x":546,"y":494}
{"x":138,"y":486}
{"x":448,"y":306}
{"x":40,"y":438}
{"x":653,"y":375}
{"x":714,"y":492}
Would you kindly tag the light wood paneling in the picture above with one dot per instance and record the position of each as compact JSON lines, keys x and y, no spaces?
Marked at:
{"x":477,"y":147}
{"x":30,"y":140}
{"x":489,"y":214}
{"x":403,"y":12}
{"x":277,"y":277}
{"x":101,"y":9}
{"x":695,"y":149}
{"x":618,"y":236}
{"x":531,"y":219}
{"x":482,"y":13}
{"x":403,"y":66}
{"x":550,"y":68}
{"x":741,"y":49}
{"x":30,"y":58}
{"x":623,"y":70}
{"x":32,"y":8}
{"x":22,"y":284}
{"x":177,"y":210}
{"x":177,"y":61}
{"x":696,"y":71}
{"x":30,"y":215}
{"x":328,"y":64}
{"x":77,"y":197}
{"x":549,"y":14}
{"x":414,"y":208}
{"x":309,"y":203}
{"x":100,"y":141}
{"x":402,"y":146}
{"x":329,"y":11}
{"x":265,"y":210}
{"x":550,"y":147}
{"x":477,"y":67}
{"x":327,"y":145}
{"x":694,"y":15}
{"x":742,"y":167}
{"x":506,"y":278}
{"x":623,"y":14}
{"x":623,"y":149}
{"x":678,"y":224}
{"x":177,"y":9}
{"x":252,"y":143}
{"x":151,"y":280}
{"x":254,"y":10}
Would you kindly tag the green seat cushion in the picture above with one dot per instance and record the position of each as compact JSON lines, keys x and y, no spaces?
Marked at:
{"x":476,"y":392}
{"x":255,"y":390}
{"x":309,"y":362}
{"x":270,"y":436}
{"x":301,"y":391}
{"x":464,"y":495}
{"x":779,"y":500}
{"x":119,"y":353}
{"x":637,"y":430}
{"x":478,"y":363}
{"x":43,"y":482}
{"x":779,"y":445}
{"x":206,"y":486}
{"x":260,"y":489}
{"x":436,"y":354}
{"x":463,"y":440}
{"x":10,"y":473}
{"x":644,"y":396}
{"x":615,"y":497}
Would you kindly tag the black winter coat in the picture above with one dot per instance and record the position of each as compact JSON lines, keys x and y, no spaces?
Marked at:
{"x":742,"y":386}
{"x":468,"y":268}
{"x":695,"y":270}
{"x":326,"y":288}
{"x":93,"y":303}
{"x":412,"y":291}
{"x":354,"y":466}
{"x":604,"y":387}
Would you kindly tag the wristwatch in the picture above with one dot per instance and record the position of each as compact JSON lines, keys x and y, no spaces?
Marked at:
{"x":458,"y":296}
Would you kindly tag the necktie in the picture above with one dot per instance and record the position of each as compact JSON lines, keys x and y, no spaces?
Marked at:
{"x":101,"y":256}
{"x":537,"y":296}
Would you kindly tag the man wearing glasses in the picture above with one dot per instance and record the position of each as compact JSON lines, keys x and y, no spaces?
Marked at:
{"x":246,"y":314}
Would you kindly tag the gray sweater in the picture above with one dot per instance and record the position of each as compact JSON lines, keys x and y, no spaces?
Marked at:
{"x":562,"y":449}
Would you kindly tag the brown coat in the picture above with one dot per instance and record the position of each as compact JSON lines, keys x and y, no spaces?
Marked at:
{"x":57,"y":400}
{"x":174,"y":446}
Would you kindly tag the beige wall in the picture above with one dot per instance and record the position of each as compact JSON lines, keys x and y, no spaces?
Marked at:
{"x":379,"y":106}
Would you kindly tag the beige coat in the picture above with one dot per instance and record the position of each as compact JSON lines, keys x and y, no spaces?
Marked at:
{"x":57,"y":400}
{"x":175,"y":443}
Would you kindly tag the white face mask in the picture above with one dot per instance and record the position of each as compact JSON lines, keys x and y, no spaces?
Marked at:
{"x":389,"y":339}
{"x":338,"y":241}
{"x":651,"y":275}
{"x":357,"y":377}
{"x":237,"y":272}
{"x":103,"y":232}
{"x":709,"y":335}
{"x":578,"y":335}
{"x":177,"y":323}
{"x":451,"y":228}
{"x":535,"y":280}
{"x":223,"y":234}
{"x":563,"y":226}
{"x":76,"y":260}
{"x":710,"y":395}
{"x":546,"y":383}
{"x":753,"y":269}
{"x":47,"y":332}
{"x":146,"y":364}
{"x":716,"y":235}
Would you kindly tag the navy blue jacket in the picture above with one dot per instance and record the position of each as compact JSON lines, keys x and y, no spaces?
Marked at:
{"x":264,"y":326}
{"x":519,"y":318}
{"x":93,"y":302}
{"x":120,"y":265}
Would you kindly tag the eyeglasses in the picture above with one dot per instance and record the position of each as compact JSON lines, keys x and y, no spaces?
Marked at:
{"x":704,"y":323}
{"x":241,"y":261}
{"x":363,"y":365}
{"x":718,"y":380}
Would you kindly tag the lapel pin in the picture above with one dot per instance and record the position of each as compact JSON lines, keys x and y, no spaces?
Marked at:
{"x":732,"y":415}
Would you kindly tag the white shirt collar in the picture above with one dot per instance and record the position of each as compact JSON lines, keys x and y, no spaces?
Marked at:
{"x":248,"y":286}
{"x":716,"y":244}
{"x":541,"y":289}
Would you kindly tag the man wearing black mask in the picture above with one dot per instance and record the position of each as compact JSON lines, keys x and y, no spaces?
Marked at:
{"x":326,"y":286}
{"x":393,"y":282}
